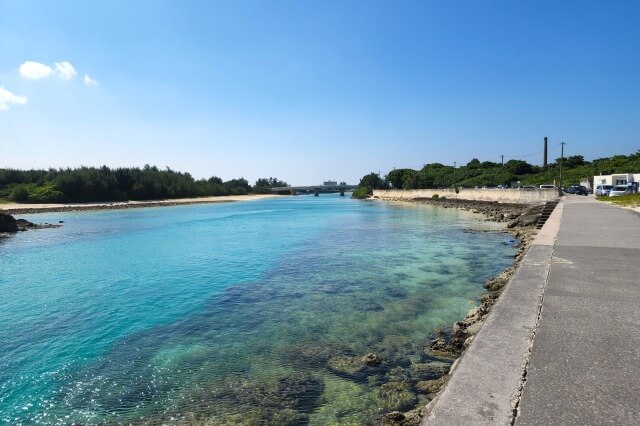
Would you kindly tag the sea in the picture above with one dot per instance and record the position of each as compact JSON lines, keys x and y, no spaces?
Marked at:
{"x":255,"y":312}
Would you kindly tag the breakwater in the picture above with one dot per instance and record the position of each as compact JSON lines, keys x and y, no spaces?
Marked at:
{"x":519,"y":196}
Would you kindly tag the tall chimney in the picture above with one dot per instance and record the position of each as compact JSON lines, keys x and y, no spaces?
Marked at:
{"x":544,"y":160}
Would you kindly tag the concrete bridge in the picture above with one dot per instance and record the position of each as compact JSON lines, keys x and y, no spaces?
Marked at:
{"x":314,"y":189}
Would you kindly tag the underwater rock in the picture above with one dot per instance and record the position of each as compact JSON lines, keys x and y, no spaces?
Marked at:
{"x":430,"y":386}
{"x":429,"y":370}
{"x":345,"y":365}
{"x":395,"y":396}
{"x":250,"y":417}
{"x":397,"y":374}
{"x":299,"y":392}
{"x":393,"y":418}
{"x":371,"y":359}
{"x":369,"y":307}
{"x":396,"y":418}
{"x":311,"y":355}
{"x":396,"y":293}
{"x":291,"y":396}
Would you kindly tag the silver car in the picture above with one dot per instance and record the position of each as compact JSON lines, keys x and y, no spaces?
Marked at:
{"x":618,"y":190}
{"x":603,"y":189}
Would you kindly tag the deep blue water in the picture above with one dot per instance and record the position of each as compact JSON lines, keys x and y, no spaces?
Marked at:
{"x":231,"y":313}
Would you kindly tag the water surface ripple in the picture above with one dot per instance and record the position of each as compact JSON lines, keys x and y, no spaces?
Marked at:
{"x":253,"y":312}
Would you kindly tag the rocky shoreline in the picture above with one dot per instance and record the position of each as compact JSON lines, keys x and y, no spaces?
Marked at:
{"x":9,"y":224}
{"x":520,"y":221}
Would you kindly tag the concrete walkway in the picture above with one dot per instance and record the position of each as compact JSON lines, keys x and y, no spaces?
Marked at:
{"x":585,"y":363}
{"x":561,"y":345}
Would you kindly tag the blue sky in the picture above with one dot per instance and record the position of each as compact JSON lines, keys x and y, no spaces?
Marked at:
{"x":314,"y":90}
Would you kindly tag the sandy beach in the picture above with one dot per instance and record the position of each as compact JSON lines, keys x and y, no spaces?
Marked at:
{"x":16,"y":208}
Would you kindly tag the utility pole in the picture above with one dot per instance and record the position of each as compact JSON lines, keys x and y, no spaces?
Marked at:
{"x":562,"y":144}
{"x":454,"y":174}
{"x":502,"y":160}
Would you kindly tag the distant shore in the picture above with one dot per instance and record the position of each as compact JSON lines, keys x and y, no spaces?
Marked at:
{"x":23,"y":208}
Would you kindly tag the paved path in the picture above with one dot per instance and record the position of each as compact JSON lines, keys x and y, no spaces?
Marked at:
{"x":585,"y":363}
{"x":562,"y":344}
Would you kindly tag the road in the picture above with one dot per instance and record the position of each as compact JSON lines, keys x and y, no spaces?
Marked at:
{"x":585,"y":362}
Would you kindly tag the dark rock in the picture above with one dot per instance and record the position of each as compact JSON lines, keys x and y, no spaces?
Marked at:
{"x":7,"y":223}
{"x":439,"y":344}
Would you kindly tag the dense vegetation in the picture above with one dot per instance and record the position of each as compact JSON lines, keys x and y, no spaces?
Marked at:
{"x":86,"y":184}
{"x":487,"y":173}
{"x":263,"y":185}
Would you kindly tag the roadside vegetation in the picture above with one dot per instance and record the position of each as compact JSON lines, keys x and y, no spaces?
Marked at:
{"x":630,"y":200}
{"x":490,"y":174}
{"x":89,"y":184}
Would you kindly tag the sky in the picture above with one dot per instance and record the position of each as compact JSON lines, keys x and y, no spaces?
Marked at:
{"x":308,"y":91}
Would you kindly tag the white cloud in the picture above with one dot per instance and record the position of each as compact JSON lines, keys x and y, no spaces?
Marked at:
{"x":7,"y":98}
{"x":65,"y":70}
{"x":89,"y":81}
{"x":35,"y":70}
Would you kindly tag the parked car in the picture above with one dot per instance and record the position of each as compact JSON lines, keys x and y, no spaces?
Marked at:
{"x":603,"y":189}
{"x":547,"y":187}
{"x":618,"y":190}
{"x":576,"y":189}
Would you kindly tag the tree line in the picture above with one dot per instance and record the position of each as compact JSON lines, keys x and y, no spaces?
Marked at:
{"x":490,"y":174}
{"x":90,"y":184}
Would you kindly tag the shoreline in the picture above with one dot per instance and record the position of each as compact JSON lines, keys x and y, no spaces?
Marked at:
{"x":22,"y":208}
{"x":451,"y":342}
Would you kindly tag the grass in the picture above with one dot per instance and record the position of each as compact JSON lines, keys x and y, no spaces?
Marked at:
{"x":630,"y":200}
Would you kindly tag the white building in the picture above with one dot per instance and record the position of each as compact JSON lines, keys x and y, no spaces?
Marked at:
{"x":629,"y":179}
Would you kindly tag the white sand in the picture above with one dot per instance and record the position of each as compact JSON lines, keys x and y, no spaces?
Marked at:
{"x":128,"y":204}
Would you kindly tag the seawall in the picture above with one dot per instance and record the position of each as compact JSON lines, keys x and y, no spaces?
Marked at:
{"x":519,"y":196}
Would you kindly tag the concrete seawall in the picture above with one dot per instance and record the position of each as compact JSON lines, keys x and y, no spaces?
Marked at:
{"x":523,"y":196}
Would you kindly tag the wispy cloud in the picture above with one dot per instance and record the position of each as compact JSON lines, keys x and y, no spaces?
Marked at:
{"x":7,"y":98}
{"x":89,"y":81}
{"x":35,"y":70}
{"x":65,"y":70}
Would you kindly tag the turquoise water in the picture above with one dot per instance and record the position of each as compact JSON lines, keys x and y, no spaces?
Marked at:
{"x":231,"y":313}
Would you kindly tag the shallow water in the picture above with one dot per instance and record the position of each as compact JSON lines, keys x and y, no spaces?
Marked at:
{"x":243,"y":312}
